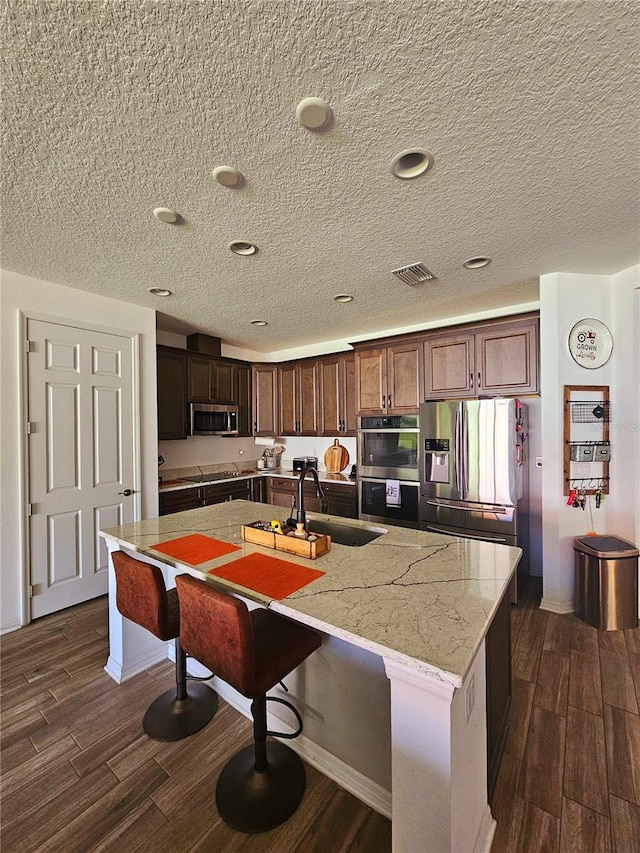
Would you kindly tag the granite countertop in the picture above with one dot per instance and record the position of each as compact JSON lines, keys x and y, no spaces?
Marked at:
{"x":423,"y":599}
{"x":174,"y":482}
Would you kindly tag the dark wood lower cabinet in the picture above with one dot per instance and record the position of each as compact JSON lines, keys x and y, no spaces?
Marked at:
{"x":339,"y":499}
{"x":247,"y":489}
{"x":179,"y":500}
{"x":498,"y":666}
{"x":229,"y":491}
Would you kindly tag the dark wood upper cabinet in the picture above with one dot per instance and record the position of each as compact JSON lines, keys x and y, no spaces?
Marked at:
{"x":507,"y":359}
{"x":449,"y":365}
{"x":389,"y":379}
{"x":172,"y":393}
{"x":298,"y":398}
{"x":210,"y":380}
{"x":265,"y":412}
{"x":243,"y":398}
{"x":324,"y":395}
{"x":337,"y":380}
{"x":493,"y":360}
{"x":184,"y":376}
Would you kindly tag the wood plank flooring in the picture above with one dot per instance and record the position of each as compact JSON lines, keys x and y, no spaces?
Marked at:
{"x":570,"y":777}
{"x":78,"y":773}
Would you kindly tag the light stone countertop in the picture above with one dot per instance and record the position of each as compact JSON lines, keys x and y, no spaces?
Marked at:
{"x":423,"y":599}
{"x":174,"y":482}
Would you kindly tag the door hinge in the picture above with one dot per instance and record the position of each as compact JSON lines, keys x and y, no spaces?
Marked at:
{"x":27,"y":346}
{"x":29,"y":510}
{"x":28,"y":427}
{"x":30,"y":591}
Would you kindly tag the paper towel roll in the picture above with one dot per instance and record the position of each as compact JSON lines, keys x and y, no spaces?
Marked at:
{"x":265,"y":442}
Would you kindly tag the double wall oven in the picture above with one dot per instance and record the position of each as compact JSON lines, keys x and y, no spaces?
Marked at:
{"x":387,"y":473}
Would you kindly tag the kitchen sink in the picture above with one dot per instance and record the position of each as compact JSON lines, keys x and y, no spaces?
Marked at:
{"x":344,"y":534}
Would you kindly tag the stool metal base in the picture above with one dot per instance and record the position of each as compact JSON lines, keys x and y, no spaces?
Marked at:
{"x":169,"y":718}
{"x":254,"y":801}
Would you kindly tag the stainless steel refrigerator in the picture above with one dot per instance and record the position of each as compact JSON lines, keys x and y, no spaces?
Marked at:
{"x":474,"y":470}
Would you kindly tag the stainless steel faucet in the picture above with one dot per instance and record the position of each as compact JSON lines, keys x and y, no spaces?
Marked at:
{"x":300,"y":512}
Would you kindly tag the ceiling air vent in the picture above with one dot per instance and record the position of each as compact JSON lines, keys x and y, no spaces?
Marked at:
{"x":414,"y":274}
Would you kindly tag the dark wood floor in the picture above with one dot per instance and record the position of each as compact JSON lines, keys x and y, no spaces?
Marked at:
{"x":78,"y":774}
{"x":570,"y":775}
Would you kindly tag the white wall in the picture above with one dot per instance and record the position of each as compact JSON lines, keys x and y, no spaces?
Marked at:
{"x":19,"y":293}
{"x":564,"y":300}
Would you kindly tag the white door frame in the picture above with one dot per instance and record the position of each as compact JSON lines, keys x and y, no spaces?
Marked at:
{"x":23,"y":485}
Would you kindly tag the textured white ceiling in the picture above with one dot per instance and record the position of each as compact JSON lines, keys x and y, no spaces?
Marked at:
{"x":115,"y":107}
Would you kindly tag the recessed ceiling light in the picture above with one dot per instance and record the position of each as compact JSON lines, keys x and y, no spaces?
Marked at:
{"x":159,"y":291}
{"x":412,"y":163}
{"x":165,"y":214}
{"x":313,"y":113}
{"x":343,"y":297}
{"x":243,"y":247}
{"x":259,"y":323}
{"x":227,"y":176}
{"x":477,"y":262}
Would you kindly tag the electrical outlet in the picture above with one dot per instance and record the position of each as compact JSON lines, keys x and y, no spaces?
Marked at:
{"x":470,"y":696}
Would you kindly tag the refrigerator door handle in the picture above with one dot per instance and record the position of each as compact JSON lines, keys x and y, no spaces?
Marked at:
{"x":465,"y":451}
{"x":496,"y":510}
{"x":457,"y":455}
{"x":486,"y":538}
{"x":465,"y":507}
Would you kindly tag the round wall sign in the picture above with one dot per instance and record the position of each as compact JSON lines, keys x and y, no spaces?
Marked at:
{"x":590,"y":343}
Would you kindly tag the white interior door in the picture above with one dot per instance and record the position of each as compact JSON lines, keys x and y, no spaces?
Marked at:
{"x":80,"y":411}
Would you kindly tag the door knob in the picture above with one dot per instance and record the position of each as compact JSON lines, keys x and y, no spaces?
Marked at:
{"x":126,"y":493}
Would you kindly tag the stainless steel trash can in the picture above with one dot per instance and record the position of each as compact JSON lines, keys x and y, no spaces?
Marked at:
{"x":606,"y":582}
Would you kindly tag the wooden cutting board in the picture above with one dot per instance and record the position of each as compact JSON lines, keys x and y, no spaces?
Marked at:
{"x":336,"y":458}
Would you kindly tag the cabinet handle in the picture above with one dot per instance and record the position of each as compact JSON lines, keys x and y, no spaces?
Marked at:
{"x":384,"y":402}
{"x":471,"y":380}
{"x":389,"y":401}
{"x":478,"y":380}
{"x":255,"y":426}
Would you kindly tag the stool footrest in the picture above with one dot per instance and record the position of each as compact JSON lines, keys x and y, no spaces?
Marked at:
{"x":296,"y":714}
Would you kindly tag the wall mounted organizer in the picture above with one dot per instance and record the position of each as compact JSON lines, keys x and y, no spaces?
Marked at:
{"x":587,"y":449}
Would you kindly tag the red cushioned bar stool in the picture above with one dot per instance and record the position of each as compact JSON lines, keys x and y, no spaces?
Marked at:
{"x":263,"y":784}
{"x":142,"y":597}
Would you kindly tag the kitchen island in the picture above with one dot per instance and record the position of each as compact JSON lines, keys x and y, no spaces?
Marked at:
{"x":394,"y":702}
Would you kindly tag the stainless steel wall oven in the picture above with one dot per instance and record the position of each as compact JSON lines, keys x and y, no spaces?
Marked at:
{"x":388,"y":466}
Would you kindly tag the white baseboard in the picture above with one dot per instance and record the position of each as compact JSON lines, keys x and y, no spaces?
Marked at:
{"x":12,"y":626}
{"x":552,"y":606}
{"x":369,"y":792}
{"x":486,"y":833}
{"x":120,"y":673}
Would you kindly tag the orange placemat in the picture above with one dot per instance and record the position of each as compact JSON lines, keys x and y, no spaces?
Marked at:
{"x":267,"y":575}
{"x":195,"y":548}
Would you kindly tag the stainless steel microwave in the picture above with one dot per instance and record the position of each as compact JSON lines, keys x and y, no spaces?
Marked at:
{"x":211,"y":419}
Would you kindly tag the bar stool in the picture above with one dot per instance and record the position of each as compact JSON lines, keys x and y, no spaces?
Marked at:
{"x":263,"y":784}
{"x":141,"y":596}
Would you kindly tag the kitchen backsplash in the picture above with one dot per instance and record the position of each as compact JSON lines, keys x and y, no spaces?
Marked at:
{"x":212,"y":450}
